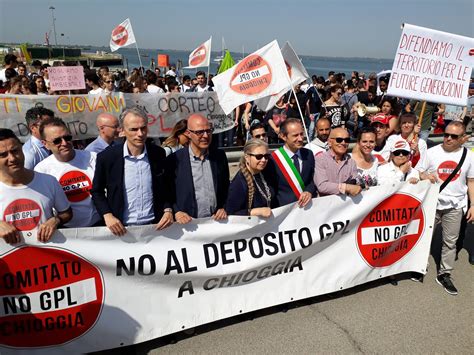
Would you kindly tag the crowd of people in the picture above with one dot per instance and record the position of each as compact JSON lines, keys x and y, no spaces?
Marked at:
{"x":123,"y":178}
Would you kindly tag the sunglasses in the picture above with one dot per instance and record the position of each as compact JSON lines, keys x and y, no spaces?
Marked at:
{"x":260,"y":156}
{"x":59,"y":140}
{"x":453,"y":136}
{"x":258,"y":136}
{"x":400,"y":152}
{"x":201,"y":132}
{"x":341,"y":139}
{"x":109,"y":81}
{"x":339,"y":93}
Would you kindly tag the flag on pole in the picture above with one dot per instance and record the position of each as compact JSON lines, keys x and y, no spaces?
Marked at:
{"x":260,"y":74}
{"x":227,"y":62}
{"x":201,"y":56}
{"x":122,"y":36}
{"x":296,"y":72}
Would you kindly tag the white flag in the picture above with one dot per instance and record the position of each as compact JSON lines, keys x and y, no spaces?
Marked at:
{"x":296,"y":71}
{"x":122,"y":36}
{"x":260,"y":74}
{"x":201,"y":56}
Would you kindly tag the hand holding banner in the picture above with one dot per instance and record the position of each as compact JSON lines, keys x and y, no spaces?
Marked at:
{"x":260,"y":74}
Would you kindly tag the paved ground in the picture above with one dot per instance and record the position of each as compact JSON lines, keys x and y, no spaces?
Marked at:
{"x":374,"y":318}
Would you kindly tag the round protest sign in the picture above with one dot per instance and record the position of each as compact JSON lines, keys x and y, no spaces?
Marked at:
{"x":251,"y":76}
{"x":446,"y":168}
{"x":390,"y":230}
{"x":49,"y":297}
{"x":120,"y":35}
{"x":24,"y":214}
{"x":198,"y":56}
{"x":76,"y":185}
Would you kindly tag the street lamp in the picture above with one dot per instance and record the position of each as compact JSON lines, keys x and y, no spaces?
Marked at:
{"x":52,"y":8}
{"x":64,"y":55}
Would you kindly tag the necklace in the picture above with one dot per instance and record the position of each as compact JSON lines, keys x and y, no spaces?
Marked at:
{"x":265,"y":194}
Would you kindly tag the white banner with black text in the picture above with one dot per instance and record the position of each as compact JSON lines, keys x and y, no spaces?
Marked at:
{"x":87,"y":290}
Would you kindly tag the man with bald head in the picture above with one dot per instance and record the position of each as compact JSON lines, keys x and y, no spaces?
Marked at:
{"x":199,"y":175}
{"x":109,"y":128}
{"x":336,"y":171}
{"x":129,"y":186}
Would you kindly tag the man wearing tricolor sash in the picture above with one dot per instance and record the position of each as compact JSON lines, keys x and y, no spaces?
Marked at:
{"x":291,"y":168}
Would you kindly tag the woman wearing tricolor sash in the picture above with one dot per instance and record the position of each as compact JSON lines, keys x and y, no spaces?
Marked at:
{"x":249,"y":192}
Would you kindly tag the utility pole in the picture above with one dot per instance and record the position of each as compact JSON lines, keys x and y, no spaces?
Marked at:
{"x":52,"y":8}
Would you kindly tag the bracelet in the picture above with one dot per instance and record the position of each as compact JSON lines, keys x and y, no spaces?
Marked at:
{"x":170,"y":210}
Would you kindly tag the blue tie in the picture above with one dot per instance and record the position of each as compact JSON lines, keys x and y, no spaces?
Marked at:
{"x":296,"y":162}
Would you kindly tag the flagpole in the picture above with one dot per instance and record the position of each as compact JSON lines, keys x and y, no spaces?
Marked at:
{"x":140,"y":59}
{"x":209,"y":62}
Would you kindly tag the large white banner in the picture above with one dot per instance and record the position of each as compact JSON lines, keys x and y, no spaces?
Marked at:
{"x":260,"y":74}
{"x":201,"y":56}
{"x":432,"y":66}
{"x":88,"y":290}
{"x":80,"y":111}
{"x":296,"y":71}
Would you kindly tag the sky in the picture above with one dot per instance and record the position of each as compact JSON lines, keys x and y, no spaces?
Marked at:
{"x":345,"y":28}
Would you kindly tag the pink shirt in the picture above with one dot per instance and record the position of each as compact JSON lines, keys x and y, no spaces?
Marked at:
{"x":330,"y":175}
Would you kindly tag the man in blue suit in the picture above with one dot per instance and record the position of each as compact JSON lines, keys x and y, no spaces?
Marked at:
{"x":291,"y":168}
{"x":199,"y":176}
{"x":129,"y":182}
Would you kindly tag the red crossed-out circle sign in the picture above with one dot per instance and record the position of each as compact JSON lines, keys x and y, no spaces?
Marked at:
{"x":251,"y":76}
{"x":120,"y":35}
{"x":198,"y":55}
{"x":49,"y":296}
{"x":24,"y":214}
{"x":446,"y":168}
{"x":76,"y":185}
{"x":390,"y":230}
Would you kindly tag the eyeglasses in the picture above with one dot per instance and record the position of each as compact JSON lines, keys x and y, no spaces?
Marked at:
{"x":260,"y":156}
{"x":397,"y":153}
{"x":341,"y":139}
{"x":114,"y":127}
{"x":453,"y":136}
{"x":109,"y":81}
{"x":338,"y":93}
{"x":59,"y":140}
{"x":201,"y":132}
{"x":259,"y":136}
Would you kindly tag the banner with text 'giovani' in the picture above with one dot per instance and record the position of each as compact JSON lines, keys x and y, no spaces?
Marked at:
{"x":432,"y":66}
{"x":87,"y":290}
{"x":80,"y":111}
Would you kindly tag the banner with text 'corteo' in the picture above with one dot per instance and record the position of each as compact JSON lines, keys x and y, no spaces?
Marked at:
{"x":87,"y":290}
{"x":122,"y":36}
{"x":80,"y":111}
{"x":260,"y":74}
{"x":432,"y":66}
{"x":201,"y":56}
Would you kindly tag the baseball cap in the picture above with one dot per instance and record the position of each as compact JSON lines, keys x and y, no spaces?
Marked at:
{"x":400,"y":145}
{"x":380,"y":118}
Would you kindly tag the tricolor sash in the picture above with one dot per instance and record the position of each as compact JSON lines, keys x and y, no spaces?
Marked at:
{"x":289,"y":171}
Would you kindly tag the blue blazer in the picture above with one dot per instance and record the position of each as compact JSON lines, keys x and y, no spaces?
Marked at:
{"x":283,"y":191}
{"x":180,"y":180}
{"x":108,"y":185}
{"x":237,"y":201}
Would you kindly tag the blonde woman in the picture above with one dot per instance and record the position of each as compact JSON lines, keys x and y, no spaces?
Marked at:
{"x":177,"y":139}
{"x":249,"y":193}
